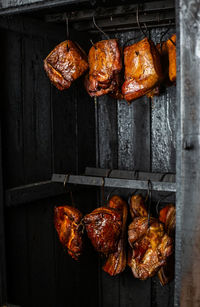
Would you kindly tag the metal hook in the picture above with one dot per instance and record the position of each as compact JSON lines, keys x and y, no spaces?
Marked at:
{"x":67,"y":29}
{"x":94,"y":22}
{"x":138,"y":22}
{"x":149,"y":196}
{"x":102,"y":190}
{"x":66,"y":180}
{"x":109,"y":194}
{"x":161,"y":200}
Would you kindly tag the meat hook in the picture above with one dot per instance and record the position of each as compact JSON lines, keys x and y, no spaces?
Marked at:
{"x":158,"y":203}
{"x":102,"y":190}
{"x":68,"y":190}
{"x":139,"y":25}
{"x":67,"y":29}
{"x":98,"y":28}
{"x":149,"y":198}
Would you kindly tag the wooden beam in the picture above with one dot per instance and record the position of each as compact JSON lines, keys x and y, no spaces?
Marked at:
{"x":187,"y":290}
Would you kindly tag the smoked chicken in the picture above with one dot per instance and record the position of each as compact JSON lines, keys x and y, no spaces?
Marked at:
{"x":168,"y":217}
{"x":116,"y":262}
{"x":143,"y":71}
{"x":68,"y":225}
{"x":65,"y":63}
{"x":104,"y":67}
{"x":171,"y":46}
{"x":103,"y":226}
{"x":150,"y":245}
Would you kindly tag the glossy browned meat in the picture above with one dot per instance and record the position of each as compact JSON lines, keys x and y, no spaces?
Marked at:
{"x":137,"y":206}
{"x":172,"y":58}
{"x":116,"y":262}
{"x":151,"y":247}
{"x":143,"y":71}
{"x":65,"y":63}
{"x":67,"y":223}
{"x":103,"y":226}
{"x":104,"y":66}
{"x":168,"y":217}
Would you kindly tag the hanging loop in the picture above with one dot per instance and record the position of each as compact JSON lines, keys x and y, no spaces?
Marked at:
{"x":138,"y":23}
{"x":66,"y":180}
{"x":68,"y":190}
{"x":148,"y":199}
{"x":102,"y":190}
{"x":98,"y":28}
{"x":67,"y":30}
{"x":161,"y":199}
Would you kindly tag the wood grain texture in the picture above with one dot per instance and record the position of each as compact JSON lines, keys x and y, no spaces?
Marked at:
{"x":188,"y":181}
{"x":163,"y":156}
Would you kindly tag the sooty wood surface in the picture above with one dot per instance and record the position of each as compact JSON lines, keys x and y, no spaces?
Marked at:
{"x":47,"y":131}
{"x":42,"y":130}
{"x":141,"y":136}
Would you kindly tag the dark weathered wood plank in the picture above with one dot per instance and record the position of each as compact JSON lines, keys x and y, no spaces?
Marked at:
{"x":36,"y":113}
{"x":108,"y":158}
{"x":3,"y":279}
{"x":85,"y":128}
{"x":12,"y":139}
{"x":133,"y":154}
{"x":188,"y":163}
{"x":163,"y":148}
{"x":12,"y":105}
{"x":38,"y":166}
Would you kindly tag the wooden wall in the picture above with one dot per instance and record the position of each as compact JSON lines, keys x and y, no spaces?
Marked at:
{"x":46,"y":131}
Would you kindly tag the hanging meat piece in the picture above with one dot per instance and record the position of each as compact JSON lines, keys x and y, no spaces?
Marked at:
{"x":143,"y":71}
{"x":151,"y":247}
{"x":68,"y":225}
{"x":137,"y":206}
{"x":65,"y":63}
{"x":164,"y":55}
{"x":116,"y":262}
{"x":104,"y":226}
{"x":104,"y":67}
{"x":168,"y":217}
{"x":171,"y":46}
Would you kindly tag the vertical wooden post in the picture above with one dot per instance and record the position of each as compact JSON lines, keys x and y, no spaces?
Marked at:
{"x":187,"y":289}
{"x":3,"y":288}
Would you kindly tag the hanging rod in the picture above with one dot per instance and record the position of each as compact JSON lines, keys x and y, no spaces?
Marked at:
{"x":92,"y":177}
{"x":120,"y":179}
{"x":153,"y":14}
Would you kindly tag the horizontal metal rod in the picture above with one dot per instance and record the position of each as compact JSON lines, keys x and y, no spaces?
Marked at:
{"x":115,"y":182}
{"x":154,"y":14}
{"x":32,"y":7}
{"x":33,"y":192}
{"x":115,"y":11}
{"x":93,"y":177}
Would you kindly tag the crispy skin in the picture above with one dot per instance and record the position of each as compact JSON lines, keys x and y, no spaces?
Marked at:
{"x":67,"y":223}
{"x":65,"y":63}
{"x":172,"y":58}
{"x":143,"y":71}
{"x":116,"y":262}
{"x":103,"y":226}
{"x":168,"y":217}
{"x":137,"y":206}
{"x":104,"y":67}
{"x":151,"y":248}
